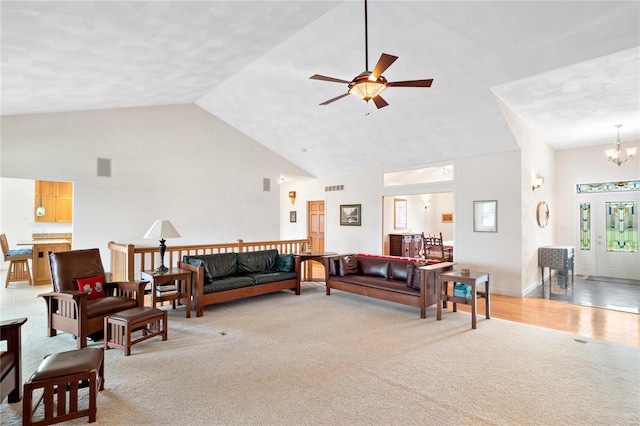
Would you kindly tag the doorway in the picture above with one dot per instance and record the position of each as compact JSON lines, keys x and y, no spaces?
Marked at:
{"x":431,"y":213}
{"x":608,"y":236}
{"x":315,"y":231}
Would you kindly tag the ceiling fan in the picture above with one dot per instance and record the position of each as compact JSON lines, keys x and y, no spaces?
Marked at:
{"x":369,"y":84}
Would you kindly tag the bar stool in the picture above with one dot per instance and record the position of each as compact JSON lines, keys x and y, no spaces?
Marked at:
{"x":18,"y":262}
{"x":61,"y":373}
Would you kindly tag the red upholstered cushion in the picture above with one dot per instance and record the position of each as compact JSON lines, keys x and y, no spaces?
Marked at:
{"x":92,"y":285}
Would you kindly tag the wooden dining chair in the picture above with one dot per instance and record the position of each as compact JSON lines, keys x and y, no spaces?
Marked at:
{"x":434,"y":248}
{"x":18,"y":262}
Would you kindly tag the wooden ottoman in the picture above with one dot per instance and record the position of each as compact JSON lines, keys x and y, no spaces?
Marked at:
{"x":118,"y":327}
{"x":61,"y":373}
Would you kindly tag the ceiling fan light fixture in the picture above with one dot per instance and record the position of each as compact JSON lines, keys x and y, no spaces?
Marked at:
{"x":362,"y":87}
{"x":369,"y":84}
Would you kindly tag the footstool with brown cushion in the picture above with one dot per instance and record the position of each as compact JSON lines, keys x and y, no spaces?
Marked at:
{"x":61,"y":373}
{"x":118,"y":327}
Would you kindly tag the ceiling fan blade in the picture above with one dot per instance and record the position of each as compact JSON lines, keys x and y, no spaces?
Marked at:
{"x":383,"y":63}
{"x":411,"y":83}
{"x":335,"y":99}
{"x":380,"y":103}
{"x":325,"y":78}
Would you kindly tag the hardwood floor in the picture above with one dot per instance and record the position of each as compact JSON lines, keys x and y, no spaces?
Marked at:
{"x":598,"y":323}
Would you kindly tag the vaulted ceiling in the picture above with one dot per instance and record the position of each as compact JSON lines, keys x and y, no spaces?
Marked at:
{"x":569,"y":69}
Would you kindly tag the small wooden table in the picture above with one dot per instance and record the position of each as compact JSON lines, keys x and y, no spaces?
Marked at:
{"x":473,"y":279}
{"x":318,"y":256}
{"x":182,"y":278}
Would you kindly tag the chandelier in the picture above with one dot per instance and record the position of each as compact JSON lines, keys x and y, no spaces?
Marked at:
{"x":616,"y":155}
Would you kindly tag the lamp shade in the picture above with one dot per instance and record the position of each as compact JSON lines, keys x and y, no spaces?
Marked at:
{"x":162,"y":229}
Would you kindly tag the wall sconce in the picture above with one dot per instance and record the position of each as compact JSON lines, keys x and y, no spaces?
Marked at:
{"x":292,"y":196}
{"x":427,"y":205}
{"x":537,"y":183}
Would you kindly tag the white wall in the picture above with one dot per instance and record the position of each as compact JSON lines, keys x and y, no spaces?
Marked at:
{"x":180,"y":163}
{"x":494,"y":177}
{"x":420,"y":219}
{"x":537,"y":159}
{"x":490,"y":177}
{"x":17,"y":211}
{"x":174,"y":162}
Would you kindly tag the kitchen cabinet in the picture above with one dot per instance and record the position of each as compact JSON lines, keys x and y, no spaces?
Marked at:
{"x":57,"y":200}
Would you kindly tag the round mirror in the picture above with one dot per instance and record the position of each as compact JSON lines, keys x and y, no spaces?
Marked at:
{"x":542,"y":214}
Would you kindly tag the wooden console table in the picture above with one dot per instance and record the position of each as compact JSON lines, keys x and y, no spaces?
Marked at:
{"x":473,"y":279}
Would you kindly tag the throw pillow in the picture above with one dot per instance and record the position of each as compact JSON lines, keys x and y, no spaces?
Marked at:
{"x":348,"y":265}
{"x":199,"y":262}
{"x":94,"y":286}
{"x":285,"y":263}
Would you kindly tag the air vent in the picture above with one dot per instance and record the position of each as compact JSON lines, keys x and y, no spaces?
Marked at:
{"x":266,"y":184}
{"x":104,"y":167}
{"x":334,"y":188}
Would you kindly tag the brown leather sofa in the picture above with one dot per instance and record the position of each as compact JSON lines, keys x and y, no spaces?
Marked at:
{"x":408,"y":282}
{"x":69,"y":310}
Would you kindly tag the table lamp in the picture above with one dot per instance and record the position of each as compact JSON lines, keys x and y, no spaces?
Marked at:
{"x":160,"y":230}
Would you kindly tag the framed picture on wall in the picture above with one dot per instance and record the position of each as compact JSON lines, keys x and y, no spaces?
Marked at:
{"x":447,"y":217}
{"x":293,"y":216}
{"x":399,"y":213}
{"x":350,"y":214}
{"x":485,"y":216}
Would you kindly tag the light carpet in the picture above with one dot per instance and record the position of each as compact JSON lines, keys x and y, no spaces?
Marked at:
{"x":344,"y":359}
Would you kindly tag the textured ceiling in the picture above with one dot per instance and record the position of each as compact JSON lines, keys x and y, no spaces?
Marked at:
{"x":570,"y":69}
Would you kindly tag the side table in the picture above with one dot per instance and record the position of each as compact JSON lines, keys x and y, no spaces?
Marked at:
{"x":318,"y":256}
{"x":473,"y":279}
{"x":182,"y":278}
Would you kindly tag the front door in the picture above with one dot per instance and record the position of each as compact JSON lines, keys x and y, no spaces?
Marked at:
{"x":617,"y":237}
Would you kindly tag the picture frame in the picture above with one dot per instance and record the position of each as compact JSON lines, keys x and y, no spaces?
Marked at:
{"x":293,"y":216}
{"x":350,"y":214}
{"x":485,"y":216}
{"x":447,"y":217}
{"x":399,"y":214}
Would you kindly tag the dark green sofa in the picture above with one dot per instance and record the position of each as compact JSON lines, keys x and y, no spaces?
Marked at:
{"x":228,"y":276}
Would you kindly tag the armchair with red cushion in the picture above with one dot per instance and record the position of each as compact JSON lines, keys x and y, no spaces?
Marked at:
{"x":82,"y":313}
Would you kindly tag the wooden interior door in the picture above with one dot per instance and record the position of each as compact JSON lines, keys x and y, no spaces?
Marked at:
{"x":315,"y":225}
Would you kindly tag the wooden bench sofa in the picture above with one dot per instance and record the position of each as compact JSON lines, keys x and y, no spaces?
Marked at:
{"x":223,"y":277}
